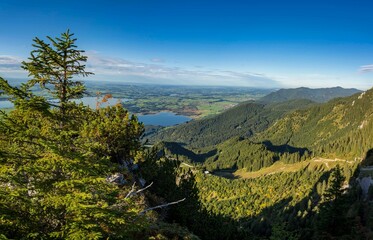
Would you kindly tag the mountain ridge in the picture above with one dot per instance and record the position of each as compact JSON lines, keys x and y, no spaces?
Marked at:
{"x":314,"y":94}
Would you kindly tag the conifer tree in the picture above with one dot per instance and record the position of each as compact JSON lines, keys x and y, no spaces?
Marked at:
{"x":332,"y":215}
{"x":55,"y":64}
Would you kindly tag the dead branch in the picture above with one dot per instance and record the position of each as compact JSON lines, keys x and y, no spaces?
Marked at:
{"x":162,"y":206}
{"x":134,"y":192}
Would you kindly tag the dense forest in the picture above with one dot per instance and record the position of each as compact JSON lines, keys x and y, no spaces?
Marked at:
{"x":283,"y":170}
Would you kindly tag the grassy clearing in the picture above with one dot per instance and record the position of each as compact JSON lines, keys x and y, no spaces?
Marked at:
{"x":213,"y":108}
{"x":278,"y":167}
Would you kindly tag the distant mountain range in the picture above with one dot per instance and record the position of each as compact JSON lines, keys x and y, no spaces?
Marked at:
{"x":317,"y":95}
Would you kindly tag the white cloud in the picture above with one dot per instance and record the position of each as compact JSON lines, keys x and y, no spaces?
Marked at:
{"x":10,"y":64}
{"x":366,"y":68}
{"x":4,"y":59}
{"x":121,"y":69}
{"x":118,"y":69}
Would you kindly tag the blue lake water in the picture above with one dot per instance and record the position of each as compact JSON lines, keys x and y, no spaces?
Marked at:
{"x":88,"y":101}
{"x":162,"y":118}
{"x":92,"y":101}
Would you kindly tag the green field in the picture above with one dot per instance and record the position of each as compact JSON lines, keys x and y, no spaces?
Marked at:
{"x":192,"y":101}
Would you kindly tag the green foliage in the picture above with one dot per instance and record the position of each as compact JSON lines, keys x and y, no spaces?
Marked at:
{"x":165,"y":231}
{"x":112,"y":132}
{"x":332,"y":217}
{"x":55,"y":64}
{"x":173,"y":150}
{"x":279,"y":233}
{"x":241,"y":153}
{"x":235,"y":153}
{"x":53,"y":186}
{"x":335,"y":190}
{"x":55,"y":181}
{"x":242,"y":198}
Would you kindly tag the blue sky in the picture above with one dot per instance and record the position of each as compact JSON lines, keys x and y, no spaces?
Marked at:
{"x":317,"y":43}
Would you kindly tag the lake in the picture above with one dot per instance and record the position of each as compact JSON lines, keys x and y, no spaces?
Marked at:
{"x":162,"y":118}
{"x":92,"y":101}
{"x":88,"y":101}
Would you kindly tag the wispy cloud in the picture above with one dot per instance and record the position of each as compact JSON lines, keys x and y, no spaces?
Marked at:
{"x":121,"y":69}
{"x":10,"y":64}
{"x":366,"y":68}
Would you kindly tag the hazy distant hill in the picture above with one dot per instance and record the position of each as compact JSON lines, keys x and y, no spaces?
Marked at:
{"x":316,"y":95}
{"x":244,"y":119}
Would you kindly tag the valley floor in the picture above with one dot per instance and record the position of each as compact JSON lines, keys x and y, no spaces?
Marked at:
{"x":279,"y":167}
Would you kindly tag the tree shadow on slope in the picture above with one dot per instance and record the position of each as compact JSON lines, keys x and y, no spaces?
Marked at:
{"x":227,"y":173}
{"x":368,"y":160}
{"x":284,"y":148}
{"x":176,"y":151}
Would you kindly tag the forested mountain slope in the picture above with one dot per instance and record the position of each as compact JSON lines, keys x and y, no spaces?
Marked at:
{"x":242,"y":120}
{"x":318,"y":198}
{"x":316,"y":95}
{"x":343,"y":127}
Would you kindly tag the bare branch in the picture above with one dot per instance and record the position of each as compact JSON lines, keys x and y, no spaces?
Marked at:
{"x":130,"y":193}
{"x":133,"y":192}
{"x":162,"y":206}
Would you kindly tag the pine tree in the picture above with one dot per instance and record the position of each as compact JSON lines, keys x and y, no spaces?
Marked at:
{"x":332,"y":212}
{"x":55,"y":64}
